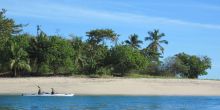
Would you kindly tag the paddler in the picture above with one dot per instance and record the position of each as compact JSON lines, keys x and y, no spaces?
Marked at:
{"x":52,"y":92}
{"x":39,"y":90}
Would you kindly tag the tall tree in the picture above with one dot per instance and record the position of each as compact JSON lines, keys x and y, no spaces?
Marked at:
{"x":38,"y":51}
{"x":19,"y":59}
{"x":60,"y":54}
{"x":133,"y":41}
{"x":99,"y":35}
{"x":96,"y":48}
{"x":79,"y":54}
{"x":7,"y":28}
{"x":155,"y":49}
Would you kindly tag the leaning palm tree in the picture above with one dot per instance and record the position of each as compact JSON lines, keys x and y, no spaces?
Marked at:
{"x":19,"y":59}
{"x":154,"y":49}
{"x":133,"y":41}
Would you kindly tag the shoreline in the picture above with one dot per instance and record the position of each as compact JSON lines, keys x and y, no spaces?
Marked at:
{"x":111,"y":86}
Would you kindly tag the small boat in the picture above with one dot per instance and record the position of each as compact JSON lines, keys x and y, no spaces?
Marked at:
{"x":48,"y":94}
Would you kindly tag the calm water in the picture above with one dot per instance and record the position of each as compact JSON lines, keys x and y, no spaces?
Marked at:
{"x":109,"y":103}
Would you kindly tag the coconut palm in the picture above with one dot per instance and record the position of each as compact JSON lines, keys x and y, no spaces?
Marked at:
{"x":18,"y":60}
{"x":154,"y":49}
{"x":133,"y":41}
{"x":78,"y":45}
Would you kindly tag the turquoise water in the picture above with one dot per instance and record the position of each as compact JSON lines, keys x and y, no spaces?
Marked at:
{"x":110,"y":103}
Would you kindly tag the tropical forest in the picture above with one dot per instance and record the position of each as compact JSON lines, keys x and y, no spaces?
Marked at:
{"x":101,"y":54}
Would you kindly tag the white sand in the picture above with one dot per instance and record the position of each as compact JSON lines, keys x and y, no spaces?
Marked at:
{"x":112,"y":86}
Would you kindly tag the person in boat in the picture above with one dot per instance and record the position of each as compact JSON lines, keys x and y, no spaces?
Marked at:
{"x":52,"y":91}
{"x":39,"y":90}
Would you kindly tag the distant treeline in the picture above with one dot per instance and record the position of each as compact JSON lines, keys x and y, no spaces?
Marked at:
{"x":42,"y":54}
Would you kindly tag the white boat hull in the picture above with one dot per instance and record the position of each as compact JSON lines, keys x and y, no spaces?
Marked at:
{"x":55,"y":95}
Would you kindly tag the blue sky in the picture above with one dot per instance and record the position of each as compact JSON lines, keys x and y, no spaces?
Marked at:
{"x":191,"y":26}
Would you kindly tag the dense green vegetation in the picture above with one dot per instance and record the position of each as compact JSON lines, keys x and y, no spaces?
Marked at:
{"x":42,"y":54}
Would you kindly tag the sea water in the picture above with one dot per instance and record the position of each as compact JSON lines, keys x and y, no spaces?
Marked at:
{"x":110,"y":103}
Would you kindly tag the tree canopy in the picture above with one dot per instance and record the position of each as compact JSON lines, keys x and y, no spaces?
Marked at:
{"x":99,"y":35}
{"x":154,"y":50}
{"x":133,"y":41}
{"x":196,"y":65}
{"x":42,"y":54}
{"x":125,"y":58}
{"x":8,"y":27}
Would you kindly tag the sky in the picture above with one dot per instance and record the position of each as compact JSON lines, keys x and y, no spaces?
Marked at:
{"x":190,"y":26}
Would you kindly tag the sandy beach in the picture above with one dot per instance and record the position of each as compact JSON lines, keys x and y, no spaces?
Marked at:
{"x":111,"y":86}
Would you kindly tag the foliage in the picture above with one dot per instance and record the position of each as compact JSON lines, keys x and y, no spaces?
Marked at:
{"x":44,"y":68}
{"x":95,"y":58}
{"x":173,"y":66}
{"x":96,"y":52}
{"x":133,"y":41}
{"x":154,"y":50}
{"x":19,"y":59}
{"x":38,"y":51}
{"x":153,"y":69}
{"x":7,"y":28}
{"x":104,"y":71}
{"x":197,"y":65}
{"x":45,"y":54}
{"x":79,"y":52}
{"x":125,"y":58}
{"x":60,"y":55}
{"x":99,"y":35}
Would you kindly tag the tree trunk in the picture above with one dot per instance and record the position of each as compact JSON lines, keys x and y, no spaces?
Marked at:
{"x":15,"y":73}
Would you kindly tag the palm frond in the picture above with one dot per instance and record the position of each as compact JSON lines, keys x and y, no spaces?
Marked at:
{"x":127,"y":42}
{"x":161,"y":48}
{"x":164,"y":41}
{"x":148,"y":38}
{"x":23,"y":65}
{"x":12,"y":64}
{"x":140,"y":42}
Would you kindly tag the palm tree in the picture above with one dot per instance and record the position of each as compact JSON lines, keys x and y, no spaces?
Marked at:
{"x":154,"y":49}
{"x":38,"y":50}
{"x":19,"y":59}
{"x":133,"y":41}
{"x":78,"y":46}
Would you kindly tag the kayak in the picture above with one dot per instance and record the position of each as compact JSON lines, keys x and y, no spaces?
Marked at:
{"x":48,"y":94}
